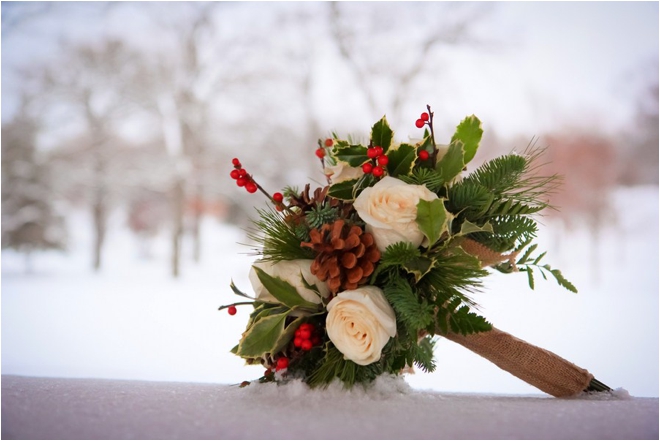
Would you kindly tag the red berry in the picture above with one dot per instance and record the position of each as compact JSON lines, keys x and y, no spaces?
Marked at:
{"x":251,"y":187}
{"x":383,"y":160}
{"x":278,"y":197}
{"x":242,"y":173}
{"x":236,"y":162}
{"x":379,"y":150}
{"x":306,"y":345}
{"x":372,"y":152}
{"x":419,"y":123}
{"x":378,"y":171}
{"x":424,"y":117}
{"x":423,"y":155}
{"x":305,"y":334}
{"x":297,"y":342}
{"x":329,"y":142}
{"x":320,"y":153}
{"x":297,"y":333}
{"x":234,"y":174}
{"x":282,"y":363}
{"x":367,"y":167}
{"x":241,"y":182}
{"x":306,"y":326}
{"x":231,"y":310}
{"x":268,"y":372}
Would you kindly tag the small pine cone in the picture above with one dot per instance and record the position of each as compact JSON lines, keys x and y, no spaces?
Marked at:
{"x":346,"y":255}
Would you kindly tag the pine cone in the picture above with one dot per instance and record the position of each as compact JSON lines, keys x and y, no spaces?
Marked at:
{"x":345,"y":255}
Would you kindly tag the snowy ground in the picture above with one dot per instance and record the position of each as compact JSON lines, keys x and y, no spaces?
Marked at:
{"x":39,"y":408}
{"x":132,"y":321}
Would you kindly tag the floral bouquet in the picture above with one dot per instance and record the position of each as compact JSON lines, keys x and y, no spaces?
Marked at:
{"x":358,"y":278}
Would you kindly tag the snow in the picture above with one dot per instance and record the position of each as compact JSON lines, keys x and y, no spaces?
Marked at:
{"x":51,"y":408}
{"x":132,"y":321}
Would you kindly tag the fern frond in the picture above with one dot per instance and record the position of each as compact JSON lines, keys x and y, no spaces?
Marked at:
{"x":425,"y":176}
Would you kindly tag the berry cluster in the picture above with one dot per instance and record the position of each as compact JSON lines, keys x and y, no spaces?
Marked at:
{"x":242,"y":178}
{"x":320,"y":152}
{"x":377,"y":163}
{"x":305,"y":338}
{"x":423,"y":119}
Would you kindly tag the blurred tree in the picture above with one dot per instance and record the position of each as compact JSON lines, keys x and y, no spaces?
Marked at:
{"x":388,"y":69}
{"x":639,"y":158}
{"x":88,"y":88}
{"x":30,"y":220}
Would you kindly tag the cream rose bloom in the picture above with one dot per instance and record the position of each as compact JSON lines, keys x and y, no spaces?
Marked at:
{"x":290,"y":271}
{"x":342,"y":172}
{"x":360,"y":322}
{"x":389,"y":209}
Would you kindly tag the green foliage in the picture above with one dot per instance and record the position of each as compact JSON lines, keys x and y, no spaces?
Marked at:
{"x":262,"y":336}
{"x":452,"y":163}
{"x":353,"y":155}
{"x":412,"y":312}
{"x":381,"y":134}
{"x":429,"y":177}
{"x":508,"y":232}
{"x":469,"y":132}
{"x":283,"y":291}
{"x":349,"y":190}
{"x":527,"y":263}
{"x":432,"y":219}
{"x":399,"y":253}
{"x":401,"y":160}
{"x":318,"y":216}
{"x":423,"y":355}
{"x":333,"y":365}
{"x":460,"y":320}
{"x":278,"y":240}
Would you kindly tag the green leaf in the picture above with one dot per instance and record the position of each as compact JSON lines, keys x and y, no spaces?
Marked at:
{"x":283,"y":291}
{"x":561,"y":280}
{"x":525,"y":256}
{"x":452,"y":163}
{"x":353,"y":155}
{"x":381,"y":134}
{"x":238,"y":292}
{"x":530,"y":277}
{"x":261,"y":338}
{"x":465,"y":322}
{"x":419,"y":267}
{"x":469,"y":132}
{"x":468,"y":227}
{"x":344,"y":190}
{"x":398,"y":253}
{"x":286,"y":336}
{"x":401,"y":160}
{"x":432,"y":219}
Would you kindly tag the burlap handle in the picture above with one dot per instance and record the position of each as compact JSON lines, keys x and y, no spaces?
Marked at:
{"x":538,"y":367}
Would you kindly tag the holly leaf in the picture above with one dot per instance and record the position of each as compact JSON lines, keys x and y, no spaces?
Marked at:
{"x":381,"y":134}
{"x":287,"y":335}
{"x":468,"y":227}
{"x":452,"y":163}
{"x":344,"y":190}
{"x":353,"y":155}
{"x":432,"y":219}
{"x":283,"y":291}
{"x":262,"y":337}
{"x":401,"y":160}
{"x":419,"y":267}
{"x":469,"y":132}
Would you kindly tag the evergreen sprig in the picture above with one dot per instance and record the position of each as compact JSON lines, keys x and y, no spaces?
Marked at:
{"x":278,"y":239}
{"x":413,"y":312}
{"x":425,"y":176}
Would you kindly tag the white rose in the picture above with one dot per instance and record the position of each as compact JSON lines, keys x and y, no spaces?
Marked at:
{"x":360,"y":322}
{"x":290,"y":271}
{"x":389,"y":209}
{"x":342,"y":172}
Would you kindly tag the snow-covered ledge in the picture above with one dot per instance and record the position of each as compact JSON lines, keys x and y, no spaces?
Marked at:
{"x":55,"y":408}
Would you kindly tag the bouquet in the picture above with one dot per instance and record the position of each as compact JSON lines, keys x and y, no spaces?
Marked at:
{"x":360,"y":277}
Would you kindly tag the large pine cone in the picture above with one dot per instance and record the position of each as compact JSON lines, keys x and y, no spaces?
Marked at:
{"x":346,"y":256}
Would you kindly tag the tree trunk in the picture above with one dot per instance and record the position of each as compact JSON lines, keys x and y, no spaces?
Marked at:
{"x":98,"y":214}
{"x":178,"y":198}
{"x":197,"y":220}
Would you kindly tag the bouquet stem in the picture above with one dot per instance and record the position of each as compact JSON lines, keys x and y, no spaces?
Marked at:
{"x":538,"y":367}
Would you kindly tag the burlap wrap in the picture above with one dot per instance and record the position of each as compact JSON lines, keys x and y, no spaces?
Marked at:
{"x":538,"y":367}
